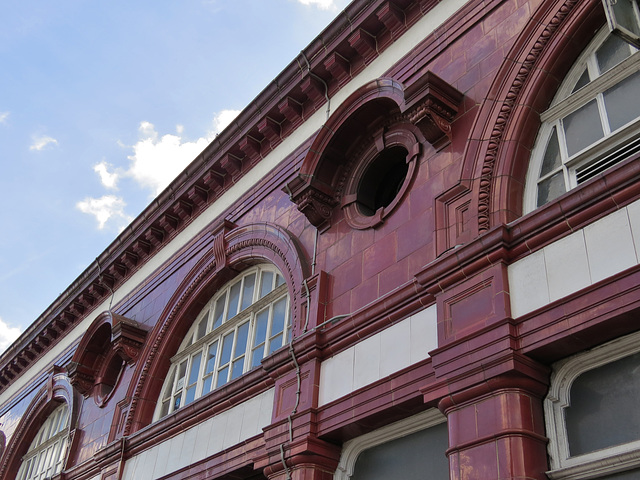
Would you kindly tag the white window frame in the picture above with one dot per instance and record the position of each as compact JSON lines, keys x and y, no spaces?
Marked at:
{"x":595,"y":464}
{"x":176,"y":386}
{"x":47,"y":452}
{"x":565,"y":103}
{"x":352,"y":449}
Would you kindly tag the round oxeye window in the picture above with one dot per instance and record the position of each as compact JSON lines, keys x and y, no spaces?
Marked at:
{"x":382,"y":180}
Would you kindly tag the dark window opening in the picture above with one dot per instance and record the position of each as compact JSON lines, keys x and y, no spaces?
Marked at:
{"x":382,"y":180}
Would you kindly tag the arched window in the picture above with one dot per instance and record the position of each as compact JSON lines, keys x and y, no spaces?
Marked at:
{"x":48,"y":449}
{"x":592,"y":124}
{"x":409,"y":449}
{"x":245,"y":321}
{"x":591,"y":413}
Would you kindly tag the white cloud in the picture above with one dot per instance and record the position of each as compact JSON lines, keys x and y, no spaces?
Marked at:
{"x":223,"y":119}
{"x":108,"y":179}
{"x":158,"y":159}
{"x":155,"y":162}
{"x":7,"y":335}
{"x":324,"y":4}
{"x":39,"y":143}
{"x":3,"y":117}
{"x":104,"y":209}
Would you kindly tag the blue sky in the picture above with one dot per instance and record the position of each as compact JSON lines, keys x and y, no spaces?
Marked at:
{"x":102,"y":104}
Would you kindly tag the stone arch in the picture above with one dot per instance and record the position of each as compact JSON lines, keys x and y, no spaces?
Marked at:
{"x":509,"y":118}
{"x":234,"y":249}
{"x":57,"y":389}
{"x":109,"y":343}
{"x":424,"y":110}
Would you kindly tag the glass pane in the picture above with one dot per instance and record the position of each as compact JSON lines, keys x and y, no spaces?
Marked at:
{"x":279,"y":310}
{"x":247,"y":290}
{"x":227,"y":346}
{"x":190,"y":395}
{"x":64,"y":415}
{"x":165,"y":409}
{"x":612,"y":52}
{"x":202,"y":328}
{"x":238,"y":366}
{"x":47,"y":459}
{"x":222,"y":377}
{"x":211,"y":357}
{"x":603,"y":410}
{"x":418,"y":456}
{"x":550,"y":189}
{"x":552,"y":158}
{"x":195,"y":368}
{"x":243,"y":336}
{"x":169,"y":389}
{"x":176,"y":401}
{"x":276,"y":343}
{"x":206,"y":387}
{"x":217,"y":313}
{"x":267,"y":283}
{"x":262,"y":319}
{"x":257,"y":355}
{"x":623,"y":101}
{"x":582,"y":127}
{"x":279,"y":280}
{"x":181,"y":374}
{"x":582,"y":81}
{"x":234,"y":299}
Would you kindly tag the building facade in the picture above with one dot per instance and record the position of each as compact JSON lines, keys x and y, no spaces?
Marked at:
{"x":414,"y":255}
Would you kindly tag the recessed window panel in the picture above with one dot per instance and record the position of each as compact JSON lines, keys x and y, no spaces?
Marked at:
{"x":582,"y":81}
{"x":414,"y":457}
{"x":603,"y":411}
{"x":267,"y":283}
{"x":613,"y":51}
{"x":552,"y":160}
{"x":550,"y":188}
{"x":582,"y":128}
{"x":623,"y":101}
{"x":247,"y":290}
{"x":219,"y":312}
{"x":202,"y":328}
{"x":234,"y":300}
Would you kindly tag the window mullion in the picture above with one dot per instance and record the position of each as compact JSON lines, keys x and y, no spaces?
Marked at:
{"x":248,"y":351}
{"x":562,"y":141}
{"x":267,"y":341}
{"x":203,"y":363}
{"x":602,"y":110}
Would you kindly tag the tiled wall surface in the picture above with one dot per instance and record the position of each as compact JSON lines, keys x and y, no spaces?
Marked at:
{"x":598,"y":251}
{"x":208,"y":438}
{"x":379,"y":355}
